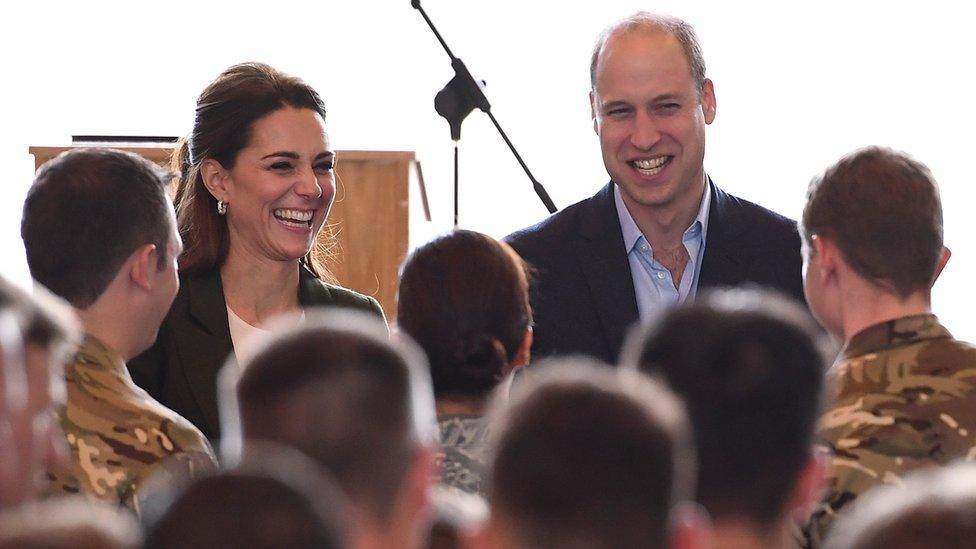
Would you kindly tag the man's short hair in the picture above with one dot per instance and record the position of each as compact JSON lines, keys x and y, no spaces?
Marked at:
{"x":934,"y":507}
{"x":337,"y":389}
{"x":278,"y":498}
{"x":85,"y":214}
{"x":882,"y":208}
{"x":680,"y":29}
{"x":749,"y":366}
{"x":588,"y":456}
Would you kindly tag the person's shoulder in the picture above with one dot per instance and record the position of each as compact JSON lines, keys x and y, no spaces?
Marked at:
{"x":754,"y":213}
{"x":553,"y":230}
{"x":344,"y":297}
{"x":317,"y":292}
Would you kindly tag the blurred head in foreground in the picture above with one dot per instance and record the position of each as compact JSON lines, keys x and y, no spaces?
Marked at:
{"x":589,"y":457}
{"x":36,"y":334}
{"x":68,"y":523}
{"x":337,"y":389}
{"x":934,"y":508}
{"x":749,"y":366}
{"x":277,"y":498}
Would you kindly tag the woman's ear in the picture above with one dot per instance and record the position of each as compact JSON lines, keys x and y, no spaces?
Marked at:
{"x":215,"y":179}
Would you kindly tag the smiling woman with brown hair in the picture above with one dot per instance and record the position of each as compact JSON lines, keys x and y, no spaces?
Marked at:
{"x":257,"y":181}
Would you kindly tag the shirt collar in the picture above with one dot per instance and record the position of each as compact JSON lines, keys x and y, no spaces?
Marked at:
{"x":894,"y":333}
{"x":632,"y":234}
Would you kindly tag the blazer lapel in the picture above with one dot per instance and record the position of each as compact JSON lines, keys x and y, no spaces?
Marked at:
{"x":206,"y":343}
{"x":606,"y":270}
{"x":311,"y":290}
{"x":726,"y":258}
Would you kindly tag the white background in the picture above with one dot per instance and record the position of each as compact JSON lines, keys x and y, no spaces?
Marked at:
{"x":798,"y":85}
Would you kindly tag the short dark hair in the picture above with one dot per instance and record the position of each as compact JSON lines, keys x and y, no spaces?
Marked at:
{"x":588,"y":456}
{"x":338,"y":390}
{"x":257,"y":505}
{"x":933,"y":507}
{"x":749,"y":366}
{"x":225,"y":115}
{"x":85,"y":214}
{"x":680,"y":29}
{"x":882,"y":208}
{"x":464,"y":297}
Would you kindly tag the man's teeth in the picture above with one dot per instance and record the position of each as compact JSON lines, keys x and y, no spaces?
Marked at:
{"x":294,"y":218}
{"x":651,"y":166}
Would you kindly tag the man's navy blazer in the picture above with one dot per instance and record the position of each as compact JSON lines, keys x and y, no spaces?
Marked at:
{"x":583,"y":298}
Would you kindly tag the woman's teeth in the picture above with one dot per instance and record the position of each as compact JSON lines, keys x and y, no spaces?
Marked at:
{"x":294,"y":218}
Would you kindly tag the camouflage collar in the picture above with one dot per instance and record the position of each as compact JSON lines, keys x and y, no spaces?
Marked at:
{"x":894,"y":333}
{"x":95,"y":353}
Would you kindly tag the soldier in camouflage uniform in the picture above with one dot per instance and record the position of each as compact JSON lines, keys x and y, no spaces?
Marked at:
{"x":119,"y":436}
{"x":100,"y":232}
{"x":902,"y":394}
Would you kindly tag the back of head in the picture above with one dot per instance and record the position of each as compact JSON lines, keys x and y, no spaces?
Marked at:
{"x":749,"y":367}
{"x":225,"y":114}
{"x":68,"y":523}
{"x":882,"y":209}
{"x":458,"y":516}
{"x":41,"y":319}
{"x":279,"y":501}
{"x":464,"y":298}
{"x":586,"y":456}
{"x":337,"y":389}
{"x":36,"y":333}
{"x":85,"y":214}
{"x":934,"y":508}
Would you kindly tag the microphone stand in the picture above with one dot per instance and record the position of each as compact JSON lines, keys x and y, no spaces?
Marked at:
{"x":456,"y":101}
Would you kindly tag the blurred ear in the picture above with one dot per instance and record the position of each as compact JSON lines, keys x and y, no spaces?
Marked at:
{"x":690,"y":527}
{"x":808,"y":487}
{"x":596,"y":125}
{"x":420,"y":476}
{"x":946,"y":254}
{"x":141,"y":265}
{"x":524,"y":353}
{"x":215,"y":178}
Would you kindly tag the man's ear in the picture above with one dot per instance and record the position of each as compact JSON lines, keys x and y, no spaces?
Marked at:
{"x":808,"y":487}
{"x":946,"y":254}
{"x":596,"y":125}
{"x":690,"y":527}
{"x":708,"y":102}
{"x":141,"y":265}
{"x":524,"y":353}
{"x":828,"y":255}
{"x":419,"y":479}
{"x":215,"y":179}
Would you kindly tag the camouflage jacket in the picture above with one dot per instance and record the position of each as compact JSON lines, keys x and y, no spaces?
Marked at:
{"x":119,"y":437}
{"x":902,"y":396}
{"x":461,"y":459}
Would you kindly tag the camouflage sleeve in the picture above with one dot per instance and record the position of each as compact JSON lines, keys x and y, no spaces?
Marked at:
{"x":891,"y":419}
{"x":175,"y":470}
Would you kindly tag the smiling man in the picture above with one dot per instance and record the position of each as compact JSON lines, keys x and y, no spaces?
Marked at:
{"x":661,"y":228}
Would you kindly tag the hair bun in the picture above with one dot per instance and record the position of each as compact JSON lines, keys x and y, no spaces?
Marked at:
{"x":481,"y":357}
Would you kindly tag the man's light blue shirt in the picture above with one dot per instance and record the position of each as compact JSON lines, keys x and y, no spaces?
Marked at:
{"x":653,"y":284}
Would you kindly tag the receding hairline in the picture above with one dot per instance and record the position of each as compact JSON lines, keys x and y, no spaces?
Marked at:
{"x":652,"y":23}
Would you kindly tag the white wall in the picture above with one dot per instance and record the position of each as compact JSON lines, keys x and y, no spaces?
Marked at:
{"x":797,"y":86}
